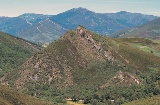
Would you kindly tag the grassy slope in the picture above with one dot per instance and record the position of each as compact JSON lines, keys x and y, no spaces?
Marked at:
{"x":155,"y":100}
{"x":13,"y":52}
{"x":12,"y":97}
{"x":146,"y":45}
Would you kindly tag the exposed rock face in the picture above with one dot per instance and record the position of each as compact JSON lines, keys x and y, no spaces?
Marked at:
{"x":127,"y":78}
{"x":85,"y":34}
{"x":108,"y":55}
{"x":81,"y":31}
{"x":3,"y":82}
{"x":123,"y":79}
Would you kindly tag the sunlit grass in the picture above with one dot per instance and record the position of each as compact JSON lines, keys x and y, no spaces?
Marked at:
{"x":74,"y":103}
{"x":148,"y":101}
{"x":147,"y":49}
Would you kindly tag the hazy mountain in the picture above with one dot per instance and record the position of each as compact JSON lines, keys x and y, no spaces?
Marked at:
{"x":84,"y":65}
{"x":45,"y":31}
{"x":32,"y":18}
{"x":3,"y":19}
{"x":148,"y":30}
{"x":13,"y":25}
{"x":98,"y":22}
{"x":130,"y":19}
{"x":93,"y":21}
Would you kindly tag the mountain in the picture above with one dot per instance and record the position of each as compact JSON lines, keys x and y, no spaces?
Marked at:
{"x":86,"y":66}
{"x":3,"y":19}
{"x":45,"y":31}
{"x":93,"y":21}
{"x":148,"y":30}
{"x":13,"y":25}
{"x":10,"y":96}
{"x":36,"y":27}
{"x":99,"y":22}
{"x":130,"y":19}
{"x":32,"y":18}
{"x":13,"y":52}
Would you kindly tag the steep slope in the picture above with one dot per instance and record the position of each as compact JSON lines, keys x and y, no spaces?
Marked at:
{"x":9,"y":96}
{"x":80,"y":62}
{"x":13,"y":52}
{"x":45,"y":31}
{"x":148,"y":30}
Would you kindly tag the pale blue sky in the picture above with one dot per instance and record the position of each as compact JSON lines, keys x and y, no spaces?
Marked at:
{"x":51,"y":7}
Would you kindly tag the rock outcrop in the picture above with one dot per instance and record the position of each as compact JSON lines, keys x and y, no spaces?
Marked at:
{"x":122,"y":79}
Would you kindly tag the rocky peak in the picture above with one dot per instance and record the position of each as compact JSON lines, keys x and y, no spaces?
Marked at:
{"x":84,"y":33}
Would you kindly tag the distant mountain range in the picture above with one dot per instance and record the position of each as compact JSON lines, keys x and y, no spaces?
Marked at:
{"x":47,"y":28}
{"x":148,"y":30}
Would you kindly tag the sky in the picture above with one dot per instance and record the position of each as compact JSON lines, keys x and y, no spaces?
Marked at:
{"x":14,"y":8}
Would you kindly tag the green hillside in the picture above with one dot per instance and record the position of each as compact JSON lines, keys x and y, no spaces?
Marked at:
{"x":146,"y":45}
{"x":85,"y":66}
{"x":155,"y":100}
{"x":9,"y":96}
{"x":14,"y":52}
